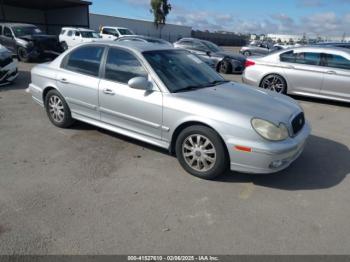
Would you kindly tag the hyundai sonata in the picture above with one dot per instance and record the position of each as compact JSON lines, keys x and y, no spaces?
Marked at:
{"x":170,"y":98}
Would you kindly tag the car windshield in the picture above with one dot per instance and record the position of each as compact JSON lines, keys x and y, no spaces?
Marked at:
{"x":87,"y":34}
{"x":26,"y":30}
{"x":182,"y":71}
{"x":125,"y":32}
{"x":212,"y":47}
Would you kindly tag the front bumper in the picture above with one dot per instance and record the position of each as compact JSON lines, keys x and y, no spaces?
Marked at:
{"x":268,"y":157}
{"x":8,"y":73}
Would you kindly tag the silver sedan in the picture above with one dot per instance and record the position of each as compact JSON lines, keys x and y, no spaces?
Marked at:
{"x":169,"y":98}
{"x":321,"y":72}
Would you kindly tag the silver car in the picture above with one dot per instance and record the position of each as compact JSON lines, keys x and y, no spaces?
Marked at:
{"x":169,"y":98}
{"x":320,"y":72}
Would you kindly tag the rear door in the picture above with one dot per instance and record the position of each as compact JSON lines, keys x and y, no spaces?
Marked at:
{"x":304,"y":71}
{"x":78,"y":80}
{"x":337,"y":77}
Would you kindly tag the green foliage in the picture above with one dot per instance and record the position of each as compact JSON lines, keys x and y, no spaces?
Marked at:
{"x":160,"y":9}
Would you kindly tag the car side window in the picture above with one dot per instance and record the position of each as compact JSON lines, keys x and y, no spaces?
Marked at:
{"x":288,"y":57}
{"x":85,"y":60}
{"x":109,"y":31}
{"x":70,"y":33}
{"x":308,"y":58}
{"x":337,"y":61}
{"x":63,"y":32}
{"x":121,"y":66}
{"x":7,"y":32}
{"x":77,"y":33}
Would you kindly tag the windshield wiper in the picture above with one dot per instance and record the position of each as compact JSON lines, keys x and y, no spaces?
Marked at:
{"x":194,"y":87}
{"x":218,"y":82}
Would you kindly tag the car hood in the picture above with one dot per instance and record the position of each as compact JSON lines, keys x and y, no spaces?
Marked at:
{"x":233,"y":98}
{"x":232,"y":55}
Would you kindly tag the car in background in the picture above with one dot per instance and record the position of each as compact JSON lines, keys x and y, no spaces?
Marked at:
{"x":143,"y":39}
{"x":224,"y":62}
{"x":333,"y":44}
{"x":8,"y":67}
{"x":169,"y":98}
{"x":257,"y":48}
{"x":321,"y":72}
{"x":28,"y":42}
{"x":71,"y":36}
{"x":114,"y":32}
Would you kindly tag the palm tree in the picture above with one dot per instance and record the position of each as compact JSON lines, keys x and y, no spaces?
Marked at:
{"x":160,"y":9}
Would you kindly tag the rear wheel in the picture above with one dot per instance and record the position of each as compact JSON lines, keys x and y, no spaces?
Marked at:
{"x":22,"y":54}
{"x":274,"y":83}
{"x":58,"y":110}
{"x":247,"y":53}
{"x":64,"y":46}
{"x":225,"y":67}
{"x":201,"y":152}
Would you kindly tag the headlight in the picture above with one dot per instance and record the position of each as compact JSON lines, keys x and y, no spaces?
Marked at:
{"x":30,"y":44}
{"x":269,"y":130}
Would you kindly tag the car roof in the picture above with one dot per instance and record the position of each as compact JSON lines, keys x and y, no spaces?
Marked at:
{"x":189,"y":39}
{"x":134,"y":46}
{"x":140,"y":37}
{"x":117,"y":27}
{"x":318,"y":49}
{"x":78,"y":29}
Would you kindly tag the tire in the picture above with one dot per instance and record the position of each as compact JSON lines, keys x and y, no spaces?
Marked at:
{"x":274,"y":82}
{"x":225,"y":67}
{"x":247,"y":53}
{"x":57,"y":110}
{"x":208,"y":155}
{"x":64,"y":46}
{"x":22,"y":54}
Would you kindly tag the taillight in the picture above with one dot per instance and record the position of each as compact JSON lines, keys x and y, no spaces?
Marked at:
{"x":249,"y":63}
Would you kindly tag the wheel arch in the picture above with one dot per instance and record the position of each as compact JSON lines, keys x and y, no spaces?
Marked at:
{"x":186,"y":124}
{"x":46,"y":90}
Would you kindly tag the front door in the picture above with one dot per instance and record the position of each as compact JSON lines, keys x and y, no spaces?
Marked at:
{"x":138,"y":111}
{"x":337,"y":77}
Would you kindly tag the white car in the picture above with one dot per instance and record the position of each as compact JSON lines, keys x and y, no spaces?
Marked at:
{"x":71,"y":36}
{"x":112,"y":33}
{"x":8,"y":67}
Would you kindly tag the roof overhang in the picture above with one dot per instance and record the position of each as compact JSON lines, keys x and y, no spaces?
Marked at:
{"x":46,"y":4}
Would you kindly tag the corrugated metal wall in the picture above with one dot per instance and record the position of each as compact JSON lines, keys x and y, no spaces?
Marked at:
{"x":167,"y":32}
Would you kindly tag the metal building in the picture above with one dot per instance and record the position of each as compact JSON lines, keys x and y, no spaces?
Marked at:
{"x":169,"y":32}
{"x":49,"y":15}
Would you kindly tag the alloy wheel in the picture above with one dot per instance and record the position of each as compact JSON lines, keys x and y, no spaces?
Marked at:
{"x":56,"y":109}
{"x":274,"y":83}
{"x":199,"y":152}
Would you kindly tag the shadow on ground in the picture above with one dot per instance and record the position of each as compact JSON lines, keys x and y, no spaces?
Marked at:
{"x":323,"y":164}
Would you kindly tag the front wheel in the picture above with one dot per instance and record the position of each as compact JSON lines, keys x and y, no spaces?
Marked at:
{"x":22,"y":54}
{"x":64,"y":46}
{"x":57,"y":110}
{"x":225,"y":67}
{"x":201,"y":152}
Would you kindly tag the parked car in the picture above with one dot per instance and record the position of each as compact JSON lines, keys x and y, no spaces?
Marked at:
{"x":8,"y":67}
{"x":309,"y":71}
{"x":28,"y":41}
{"x":169,"y":98}
{"x":225,"y":62}
{"x":144,"y":39}
{"x":113,"y":32}
{"x":71,"y":36}
{"x":331,"y":44}
{"x":258,"y":49}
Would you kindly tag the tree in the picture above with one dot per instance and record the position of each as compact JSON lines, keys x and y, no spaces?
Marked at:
{"x":160,"y":9}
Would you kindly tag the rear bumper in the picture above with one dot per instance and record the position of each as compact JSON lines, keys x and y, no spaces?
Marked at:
{"x":269,"y":157}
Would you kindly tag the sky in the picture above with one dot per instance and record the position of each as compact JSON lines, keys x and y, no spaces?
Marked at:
{"x":317,"y":17}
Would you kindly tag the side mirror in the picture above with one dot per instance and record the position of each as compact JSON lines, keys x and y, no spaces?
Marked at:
{"x":140,"y":83}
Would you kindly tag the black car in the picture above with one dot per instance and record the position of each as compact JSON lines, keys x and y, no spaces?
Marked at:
{"x":28,"y":42}
{"x":225,"y":62}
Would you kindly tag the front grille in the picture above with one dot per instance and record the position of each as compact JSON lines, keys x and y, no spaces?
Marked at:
{"x":6,"y":61}
{"x":298,"y":123}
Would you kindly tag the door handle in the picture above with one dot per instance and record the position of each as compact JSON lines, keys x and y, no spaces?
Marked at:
{"x":108,"y":91}
{"x":64,"y":81}
{"x":331,"y":72}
